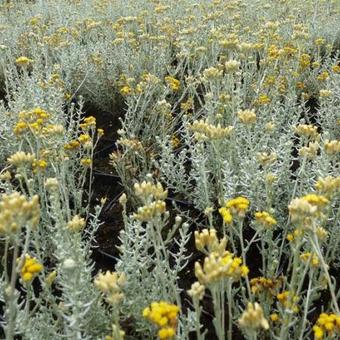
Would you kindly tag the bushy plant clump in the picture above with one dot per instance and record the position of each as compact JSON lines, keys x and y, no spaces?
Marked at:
{"x":227,"y":153}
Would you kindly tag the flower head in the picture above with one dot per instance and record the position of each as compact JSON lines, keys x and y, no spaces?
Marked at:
{"x":173,"y":83}
{"x":23,"y":61}
{"x":247,"y":116}
{"x":226,"y":215}
{"x":163,"y":315}
{"x":111,"y":284}
{"x":196,"y":291}
{"x":16,"y":211}
{"x":208,"y":239}
{"x":308,"y":206}
{"x":253,"y":318}
{"x":76,"y":224}
{"x":327,"y":325}
{"x":30,"y":268}
{"x":264,"y":218}
{"x":21,"y":159}
{"x":238,"y":206}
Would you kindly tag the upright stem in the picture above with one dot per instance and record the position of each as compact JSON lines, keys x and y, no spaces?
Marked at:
{"x":285,"y":231}
{"x":244,"y":259}
{"x":197,"y":320}
{"x":316,"y":246}
{"x":222,"y":294}
{"x":5,"y":259}
{"x":304,"y":320}
{"x":11,"y":318}
{"x":218,"y":322}
{"x":230,"y":315}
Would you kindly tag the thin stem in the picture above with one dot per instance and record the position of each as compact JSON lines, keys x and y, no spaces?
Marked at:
{"x":316,"y":246}
{"x":230,"y":315}
{"x":244,"y":260}
{"x":197,"y":319}
{"x":5,"y":259}
{"x":216,"y":295}
{"x":11,"y":318}
{"x":285,"y":231}
{"x":304,"y":320}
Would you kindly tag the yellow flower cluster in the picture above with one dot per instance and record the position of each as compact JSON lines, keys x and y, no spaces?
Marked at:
{"x":208,"y":239}
{"x":310,"y":151}
{"x":35,"y":121}
{"x":232,"y":66}
{"x":163,"y":315}
{"x":336,"y":69}
{"x":269,"y":127}
{"x":265,"y":158}
{"x":133,"y":144}
{"x":226,"y":215}
{"x":39,"y":165}
{"x":126,"y":85}
{"x":230,"y":41}
{"x":328,"y":185}
{"x":274,"y":317}
{"x":30,"y":268}
{"x":76,"y":224}
{"x":327,"y":325}
{"x":16,"y":211}
{"x":313,"y":258}
{"x":197,"y":291}
{"x":289,"y":300}
{"x":88,"y":122}
{"x":111,"y":284}
{"x":219,"y":263}
{"x":308,"y":206}
{"x":5,"y":176}
{"x":205,"y":131}
{"x":325,"y":93}
{"x":212,"y":73}
{"x":72,"y":145}
{"x":323,"y":76}
{"x":173,"y":83}
{"x":238,"y":206}
{"x":51,"y":184}
{"x":297,"y":233}
{"x":187,"y":105}
{"x":146,"y":190}
{"x":23,"y":61}
{"x":332,"y":147}
{"x":84,"y":138}
{"x":126,"y":90}
{"x":86,"y":162}
{"x":175,"y":141}
{"x":265,"y":219}
{"x":305,"y":61}
{"x":318,"y":201}
{"x":217,"y":267}
{"x":148,"y":79}
{"x":247,"y":116}
{"x":262,"y":284}
{"x":148,"y":212}
{"x":21,"y":159}
{"x":306,"y":130}
{"x":253,"y":318}
{"x":263,"y":99}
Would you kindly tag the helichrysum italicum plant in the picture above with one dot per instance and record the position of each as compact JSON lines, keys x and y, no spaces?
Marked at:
{"x":43,"y":201}
{"x":218,"y":110}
